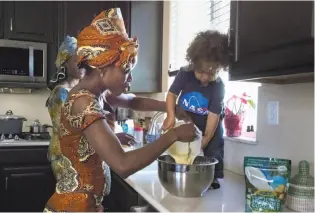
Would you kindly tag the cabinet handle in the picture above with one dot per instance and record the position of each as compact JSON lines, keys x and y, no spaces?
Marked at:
{"x":312,"y":20}
{"x":139,"y":208}
{"x":11,"y":24}
{"x":236,"y":51}
{"x":6,"y":184}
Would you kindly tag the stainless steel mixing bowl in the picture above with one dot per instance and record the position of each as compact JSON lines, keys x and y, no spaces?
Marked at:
{"x":186,"y":180}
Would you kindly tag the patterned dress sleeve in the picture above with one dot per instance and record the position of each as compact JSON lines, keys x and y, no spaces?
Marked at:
{"x":56,"y":99}
{"x":92,"y":112}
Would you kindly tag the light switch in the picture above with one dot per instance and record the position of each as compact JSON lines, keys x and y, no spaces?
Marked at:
{"x":273,"y":112}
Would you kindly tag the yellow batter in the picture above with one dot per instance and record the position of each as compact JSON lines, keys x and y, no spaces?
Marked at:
{"x":186,"y":158}
{"x":185,"y":153}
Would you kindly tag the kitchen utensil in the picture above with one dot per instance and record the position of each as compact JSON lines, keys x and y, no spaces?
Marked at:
{"x":186,"y":180}
{"x":301,"y":190}
{"x":10,"y":123}
{"x":257,"y":178}
{"x":37,"y":127}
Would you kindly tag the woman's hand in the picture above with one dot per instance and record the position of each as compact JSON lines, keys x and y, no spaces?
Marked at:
{"x":168,"y":123}
{"x":185,"y":132}
{"x":126,"y":139}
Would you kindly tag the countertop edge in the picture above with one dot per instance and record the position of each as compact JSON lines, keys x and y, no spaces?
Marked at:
{"x":147,"y":197}
{"x":24,"y":143}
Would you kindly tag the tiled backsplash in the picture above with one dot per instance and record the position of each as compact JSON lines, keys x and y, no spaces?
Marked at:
{"x":292,"y":139}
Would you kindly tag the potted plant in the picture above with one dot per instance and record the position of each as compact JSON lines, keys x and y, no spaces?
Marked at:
{"x":234,"y":114}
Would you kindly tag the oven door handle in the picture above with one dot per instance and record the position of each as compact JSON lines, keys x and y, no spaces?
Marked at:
{"x":139,"y":208}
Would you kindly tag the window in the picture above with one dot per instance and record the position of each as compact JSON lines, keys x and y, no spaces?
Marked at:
{"x":190,"y":17}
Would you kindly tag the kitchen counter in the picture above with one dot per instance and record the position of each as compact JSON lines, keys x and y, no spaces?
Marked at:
{"x":23,"y":143}
{"x":229,"y":198}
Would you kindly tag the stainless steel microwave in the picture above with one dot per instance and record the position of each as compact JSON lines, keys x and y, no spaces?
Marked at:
{"x":23,"y":64}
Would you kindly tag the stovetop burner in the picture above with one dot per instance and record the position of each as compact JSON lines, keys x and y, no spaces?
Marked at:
{"x":26,"y":136}
{"x":35,"y":136}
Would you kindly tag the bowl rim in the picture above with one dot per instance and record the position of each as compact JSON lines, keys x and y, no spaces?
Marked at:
{"x":215,"y":161}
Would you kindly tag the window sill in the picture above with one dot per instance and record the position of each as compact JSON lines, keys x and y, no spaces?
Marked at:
{"x":241,"y":139}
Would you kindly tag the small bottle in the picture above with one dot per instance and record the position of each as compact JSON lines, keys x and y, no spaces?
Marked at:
{"x":125,"y":128}
{"x":130,"y":124}
{"x":138,"y":134}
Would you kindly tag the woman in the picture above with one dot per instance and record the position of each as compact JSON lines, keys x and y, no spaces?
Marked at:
{"x":64,"y":79}
{"x":86,"y":134}
{"x":201,"y":93}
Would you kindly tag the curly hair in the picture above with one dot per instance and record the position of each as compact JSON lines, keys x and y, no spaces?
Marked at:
{"x":209,"y":46}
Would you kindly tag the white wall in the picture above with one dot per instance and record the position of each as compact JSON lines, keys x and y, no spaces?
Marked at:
{"x":31,"y":106}
{"x":292,"y":139}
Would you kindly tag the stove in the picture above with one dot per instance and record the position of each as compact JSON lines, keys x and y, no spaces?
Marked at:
{"x":25,"y":136}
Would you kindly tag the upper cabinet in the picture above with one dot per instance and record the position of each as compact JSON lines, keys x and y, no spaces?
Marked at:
{"x":79,"y":14}
{"x":31,"y":21}
{"x":50,"y":21}
{"x":147,"y":26}
{"x":272,"y":41}
{"x":1,"y":19}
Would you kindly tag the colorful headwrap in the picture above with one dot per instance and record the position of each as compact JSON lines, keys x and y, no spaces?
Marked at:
{"x":66,"y":50}
{"x":106,"y":42}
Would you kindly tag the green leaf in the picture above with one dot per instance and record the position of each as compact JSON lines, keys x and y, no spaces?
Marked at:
{"x":251,"y":103}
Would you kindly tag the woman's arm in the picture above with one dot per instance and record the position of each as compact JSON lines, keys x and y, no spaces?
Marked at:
{"x":143,"y":104}
{"x":136,"y":103}
{"x":107,"y":146}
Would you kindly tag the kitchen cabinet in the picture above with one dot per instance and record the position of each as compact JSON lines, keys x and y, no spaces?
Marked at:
{"x":76,"y":15}
{"x":26,"y":179}
{"x":122,"y":197}
{"x":27,"y":188}
{"x":79,"y":14}
{"x":73,"y":16}
{"x":1,"y":19}
{"x":125,"y":7}
{"x":147,"y":26}
{"x":27,"y":182}
{"x":31,"y":21}
{"x":272,"y":41}
{"x":49,"y":22}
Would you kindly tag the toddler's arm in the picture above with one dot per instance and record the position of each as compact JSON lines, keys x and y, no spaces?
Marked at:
{"x":175,"y":89}
{"x":169,"y":122}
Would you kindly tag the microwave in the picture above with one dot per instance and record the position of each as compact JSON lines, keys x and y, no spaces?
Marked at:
{"x":23,"y":64}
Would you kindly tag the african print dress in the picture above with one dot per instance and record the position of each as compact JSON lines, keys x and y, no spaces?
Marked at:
{"x":83,"y":179}
{"x":55,"y":101}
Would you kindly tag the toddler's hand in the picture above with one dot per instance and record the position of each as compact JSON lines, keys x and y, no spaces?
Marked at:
{"x":168,"y":123}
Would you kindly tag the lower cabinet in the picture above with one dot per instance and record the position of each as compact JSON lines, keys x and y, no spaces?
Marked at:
{"x":26,"y":188}
{"x":26,"y":179}
{"x":27,"y":182}
{"x":121,"y":198}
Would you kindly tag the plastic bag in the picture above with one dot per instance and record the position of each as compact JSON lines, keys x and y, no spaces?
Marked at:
{"x":185,"y":153}
{"x":266,"y":181}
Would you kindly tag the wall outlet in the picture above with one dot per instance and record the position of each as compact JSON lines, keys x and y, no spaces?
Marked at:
{"x":273,"y":112}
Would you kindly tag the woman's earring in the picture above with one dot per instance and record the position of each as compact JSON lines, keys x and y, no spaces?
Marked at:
{"x":101,"y":74}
